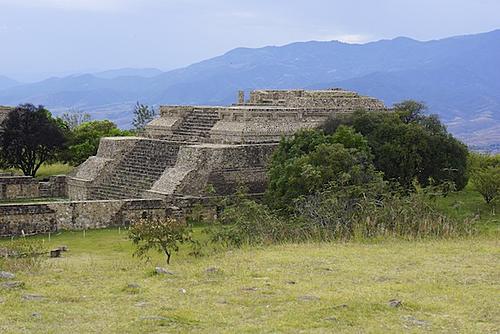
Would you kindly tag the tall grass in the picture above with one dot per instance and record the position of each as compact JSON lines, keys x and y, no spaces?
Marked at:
{"x":337,"y":215}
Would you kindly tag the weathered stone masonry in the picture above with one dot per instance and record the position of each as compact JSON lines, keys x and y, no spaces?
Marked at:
{"x":29,"y":219}
{"x":189,"y":148}
{"x":24,"y":187}
{"x":182,"y":154}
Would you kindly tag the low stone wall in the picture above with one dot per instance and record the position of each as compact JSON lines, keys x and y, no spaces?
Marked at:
{"x":54,"y":187}
{"x":24,"y":187}
{"x":18,"y":187}
{"x":50,"y":217}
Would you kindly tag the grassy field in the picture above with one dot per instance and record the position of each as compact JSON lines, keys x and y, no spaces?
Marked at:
{"x":448,"y":286}
{"x":469,"y":203}
{"x":445,"y":286}
{"x":46,"y":170}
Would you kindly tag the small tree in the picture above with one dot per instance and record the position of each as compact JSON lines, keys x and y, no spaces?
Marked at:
{"x":143,"y":114}
{"x":29,"y":136}
{"x":75,"y":118}
{"x":487,"y":182}
{"x":161,"y":234}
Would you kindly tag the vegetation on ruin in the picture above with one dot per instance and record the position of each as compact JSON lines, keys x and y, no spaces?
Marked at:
{"x":143,"y":114}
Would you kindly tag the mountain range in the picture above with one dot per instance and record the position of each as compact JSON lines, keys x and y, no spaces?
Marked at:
{"x":458,"y":78}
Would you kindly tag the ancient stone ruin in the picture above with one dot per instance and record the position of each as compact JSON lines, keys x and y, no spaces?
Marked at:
{"x":192,"y":152}
{"x":188,"y":155}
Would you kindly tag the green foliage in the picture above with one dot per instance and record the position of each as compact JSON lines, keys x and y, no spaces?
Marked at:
{"x":158,"y":233}
{"x":143,"y":114}
{"x":484,"y":170}
{"x":372,"y":212}
{"x":247,"y":222}
{"x":75,"y":118}
{"x":487,"y":182}
{"x":478,"y":161}
{"x":341,"y":212}
{"x":310,"y":161}
{"x":408,"y":145}
{"x":85,"y":138}
{"x":30,"y":137}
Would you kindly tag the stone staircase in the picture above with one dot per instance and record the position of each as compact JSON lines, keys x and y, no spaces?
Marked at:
{"x":196,"y":126}
{"x":137,"y":170}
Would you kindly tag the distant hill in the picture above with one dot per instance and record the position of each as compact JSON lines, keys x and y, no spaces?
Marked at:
{"x":129,"y":72}
{"x":7,"y":82}
{"x":458,"y":77}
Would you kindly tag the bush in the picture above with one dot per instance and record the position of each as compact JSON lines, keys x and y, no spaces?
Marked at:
{"x":84,"y":140}
{"x":311,"y":160}
{"x":407,"y":145}
{"x":158,"y":233}
{"x":342,"y":212}
{"x":23,"y":254}
{"x":487,"y":182}
{"x":248,"y":222}
{"x":410,"y":216}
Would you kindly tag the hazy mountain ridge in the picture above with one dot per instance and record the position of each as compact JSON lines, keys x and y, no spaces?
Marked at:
{"x":458,"y":77}
{"x":6,"y":82}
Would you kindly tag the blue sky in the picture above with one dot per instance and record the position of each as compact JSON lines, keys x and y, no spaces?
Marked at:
{"x":41,"y":38}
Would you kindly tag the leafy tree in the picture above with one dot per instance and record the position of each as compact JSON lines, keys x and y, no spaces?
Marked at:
{"x":161,"y":234}
{"x":143,"y":114}
{"x":84,"y":140}
{"x":410,"y":111}
{"x":75,"y":118}
{"x":408,"y":145}
{"x":487,"y":183}
{"x":478,"y":161}
{"x":29,"y":137}
{"x":312,"y":161}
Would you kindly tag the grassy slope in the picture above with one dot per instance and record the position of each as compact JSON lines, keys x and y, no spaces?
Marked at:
{"x":469,"y":203}
{"x":446,"y":286}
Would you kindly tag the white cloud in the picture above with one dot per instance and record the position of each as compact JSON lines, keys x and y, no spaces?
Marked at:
{"x":349,"y":38}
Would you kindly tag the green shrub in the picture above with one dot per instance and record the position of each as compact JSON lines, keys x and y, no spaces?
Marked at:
{"x":158,"y":233}
{"x":309,"y":161}
{"x":341,"y":212}
{"x":487,"y":182}
{"x":408,"y":145}
{"x":373,"y":215}
{"x":248,"y":222}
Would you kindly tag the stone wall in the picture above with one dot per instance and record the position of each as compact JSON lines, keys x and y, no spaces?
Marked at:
{"x":18,"y":187}
{"x":76,"y":215}
{"x":95,"y":170}
{"x":333,"y":99}
{"x":24,"y":187}
{"x":53,"y":187}
{"x":4,"y":112}
{"x":223,"y":167}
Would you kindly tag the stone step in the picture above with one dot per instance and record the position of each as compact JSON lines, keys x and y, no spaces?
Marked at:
{"x":138,"y":170}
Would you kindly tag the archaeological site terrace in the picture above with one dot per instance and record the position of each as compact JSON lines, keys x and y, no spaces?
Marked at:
{"x":190,"y":149}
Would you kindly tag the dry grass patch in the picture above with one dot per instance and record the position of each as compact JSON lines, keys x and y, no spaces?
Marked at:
{"x":98,"y":287}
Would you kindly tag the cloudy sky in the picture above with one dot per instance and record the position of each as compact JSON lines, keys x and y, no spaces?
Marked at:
{"x":40,"y":38}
